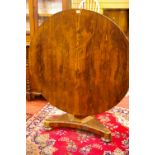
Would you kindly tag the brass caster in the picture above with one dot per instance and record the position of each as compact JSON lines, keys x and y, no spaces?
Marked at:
{"x":106,"y":140}
{"x":47,"y":128}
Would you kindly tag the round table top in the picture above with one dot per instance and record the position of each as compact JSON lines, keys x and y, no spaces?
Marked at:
{"x":79,"y":61}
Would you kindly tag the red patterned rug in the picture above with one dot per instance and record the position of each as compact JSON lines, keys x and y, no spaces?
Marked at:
{"x":64,"y":141}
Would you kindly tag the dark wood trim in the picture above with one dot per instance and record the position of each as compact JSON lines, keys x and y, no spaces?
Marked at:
{"x":33,"y":14}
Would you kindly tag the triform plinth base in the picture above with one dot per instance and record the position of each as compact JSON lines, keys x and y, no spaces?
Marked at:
{"x":88,"y":124}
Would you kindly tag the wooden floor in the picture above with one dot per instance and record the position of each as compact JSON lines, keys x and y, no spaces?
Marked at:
{"x":36,"y":105}
{"x":124,"y":102}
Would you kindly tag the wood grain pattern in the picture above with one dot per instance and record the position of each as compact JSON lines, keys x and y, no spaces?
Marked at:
{"x":79,"y":61}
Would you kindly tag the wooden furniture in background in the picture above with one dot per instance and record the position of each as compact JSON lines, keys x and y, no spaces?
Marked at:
{"x":66,"y":4}
{"x":120,"y":17}
{"x":28,"y":97}
{"x":79,"y":62}
{"x":31,"y":88}
{"x":33,"y":25}
{"x":33,"y":15}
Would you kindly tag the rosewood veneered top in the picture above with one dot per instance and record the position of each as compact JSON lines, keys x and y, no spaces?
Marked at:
{"x":79,"y":60}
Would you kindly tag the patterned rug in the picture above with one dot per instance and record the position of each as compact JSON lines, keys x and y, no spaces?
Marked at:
{"x":64,"y":141}
{"x":28,"y":116}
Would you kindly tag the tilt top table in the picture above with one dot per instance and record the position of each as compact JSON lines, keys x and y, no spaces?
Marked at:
{"x":79,"y":61}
